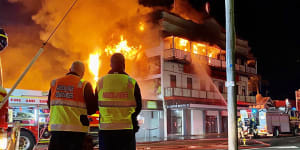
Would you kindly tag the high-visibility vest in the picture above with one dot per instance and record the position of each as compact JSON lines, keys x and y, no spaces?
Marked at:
{"x":67,"y":104}
{"x":3,"y":93}
{"x":116,"y":101}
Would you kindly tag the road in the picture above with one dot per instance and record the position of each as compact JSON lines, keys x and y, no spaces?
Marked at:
{"x":267,"y":143}
{"x":281,"y":143}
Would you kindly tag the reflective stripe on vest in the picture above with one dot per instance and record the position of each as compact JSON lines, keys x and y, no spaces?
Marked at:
{"x":67,"y":127}
{"x":115,"y":125}
{"x":116,"y":101}
{"x":67,"y":104}
{"x":3,"y":35}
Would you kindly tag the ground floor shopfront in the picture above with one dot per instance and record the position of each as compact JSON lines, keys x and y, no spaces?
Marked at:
{"x":196,"y":119}
{"x":151,"y":121}
{"x":183,"y":119}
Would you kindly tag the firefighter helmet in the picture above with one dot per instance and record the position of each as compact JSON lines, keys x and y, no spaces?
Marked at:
{"x":3,"y":39}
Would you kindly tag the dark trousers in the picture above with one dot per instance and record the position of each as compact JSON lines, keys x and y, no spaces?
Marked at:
{"x":117,"y":140}
{"x":63,"y":140}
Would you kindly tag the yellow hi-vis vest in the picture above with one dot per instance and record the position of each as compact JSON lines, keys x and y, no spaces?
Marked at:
{"x":3,"y":93}
{"x":67,"y":104}
{"x":116,"y":101}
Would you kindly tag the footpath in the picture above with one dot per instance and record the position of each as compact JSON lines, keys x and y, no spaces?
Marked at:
{"x":207,"y":142}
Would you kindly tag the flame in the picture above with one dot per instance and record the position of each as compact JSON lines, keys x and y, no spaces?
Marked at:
{"x":94,"y":64}
{"x":197,"y":47}
{"x":203,"y":49}
{"x":183,"y":43}
{"x":141,"y":26}
{"x":129,"y":52}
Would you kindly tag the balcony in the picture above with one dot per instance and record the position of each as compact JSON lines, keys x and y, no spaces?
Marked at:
{"x":182,"y":92}
{"x":171,"y":54}
{"x":184,"y":56}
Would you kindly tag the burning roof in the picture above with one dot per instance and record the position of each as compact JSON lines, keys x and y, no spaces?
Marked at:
{"x":209,"y":31}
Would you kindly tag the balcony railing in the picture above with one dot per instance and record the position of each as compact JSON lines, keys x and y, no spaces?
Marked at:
{"x":183,"y":92}
{"x":177,"y":54}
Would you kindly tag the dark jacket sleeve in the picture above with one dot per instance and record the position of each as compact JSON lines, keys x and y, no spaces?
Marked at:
{"x":90,"y":99}
{"x":138,"y":99}
{"x":49,"y":96}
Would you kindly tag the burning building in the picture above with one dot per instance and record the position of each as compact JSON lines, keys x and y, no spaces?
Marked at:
{"x":187,"y":75}
{"x":177,"y":57}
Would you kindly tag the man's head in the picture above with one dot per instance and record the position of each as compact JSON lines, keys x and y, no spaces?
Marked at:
{"x":78,"y":68}
{"x":117,"y":62}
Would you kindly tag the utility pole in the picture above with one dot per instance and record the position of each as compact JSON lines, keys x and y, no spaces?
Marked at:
{"x":230,"y":68}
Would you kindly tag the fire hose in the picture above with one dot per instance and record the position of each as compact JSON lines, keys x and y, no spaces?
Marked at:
{"x":36,"y":56}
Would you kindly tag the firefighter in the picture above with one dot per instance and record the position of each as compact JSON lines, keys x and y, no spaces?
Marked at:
{"x":253,"y":126}
{"x":240,"y":130}
{"x":3,"y":39}
{"x":3,"y":44}
{"x":119,"y":100}
{"x":70,"y":100}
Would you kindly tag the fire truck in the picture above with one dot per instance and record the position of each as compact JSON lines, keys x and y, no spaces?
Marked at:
{"x":29,"y":108}
{"x":270,"y":121}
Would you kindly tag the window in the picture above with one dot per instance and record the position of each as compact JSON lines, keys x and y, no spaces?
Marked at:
{"x":221,"y":87}
{"x":168,"y":43}
{"x":26,"y":115}
{"x":173,"y":81}
{"x":189,"y":83}
{"x":202,"y":85}
{"x":243,"y":90}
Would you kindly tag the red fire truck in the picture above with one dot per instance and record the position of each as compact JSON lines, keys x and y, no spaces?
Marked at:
{"x":29,"y":107}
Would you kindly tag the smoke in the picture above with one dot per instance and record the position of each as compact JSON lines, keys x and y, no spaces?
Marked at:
{"x":90,"y":27}
{"x":184,"y":9}
{"x":23,"y":44}
{"x":29,"y":6}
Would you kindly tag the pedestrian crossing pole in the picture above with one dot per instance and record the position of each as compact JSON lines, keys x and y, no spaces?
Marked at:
{"x":230,"y":84}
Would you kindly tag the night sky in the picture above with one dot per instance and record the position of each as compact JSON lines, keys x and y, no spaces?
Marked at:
{"x":271,"y":27}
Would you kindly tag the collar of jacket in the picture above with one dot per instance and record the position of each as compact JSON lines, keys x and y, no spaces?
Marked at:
{"x":73,"y":73}
{"x":116,"y":71}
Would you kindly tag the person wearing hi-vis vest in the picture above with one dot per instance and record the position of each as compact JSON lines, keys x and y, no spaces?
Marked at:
{"x":70,"y":100}
{"x":120,"y":102}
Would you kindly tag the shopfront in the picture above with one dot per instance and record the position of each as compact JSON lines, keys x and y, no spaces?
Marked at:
{"x":211,"y":121}
{"x":151,"y":121}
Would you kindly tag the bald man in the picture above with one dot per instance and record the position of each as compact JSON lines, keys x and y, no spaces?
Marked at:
{"x":70,"y":100}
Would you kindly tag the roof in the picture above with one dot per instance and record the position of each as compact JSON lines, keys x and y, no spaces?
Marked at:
{"x":281,"y":103}
{"x":264,"y":101}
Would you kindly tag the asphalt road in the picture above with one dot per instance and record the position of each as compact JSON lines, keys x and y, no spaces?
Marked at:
{"x":281,"y":143}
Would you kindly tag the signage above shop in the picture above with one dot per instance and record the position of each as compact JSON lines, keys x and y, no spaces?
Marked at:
{"x":151,"y":104}
{"x":179,"y":106}
{"x":27,"y":100}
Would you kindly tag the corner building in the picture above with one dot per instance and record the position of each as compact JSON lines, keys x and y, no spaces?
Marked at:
{"x":187,"y":80}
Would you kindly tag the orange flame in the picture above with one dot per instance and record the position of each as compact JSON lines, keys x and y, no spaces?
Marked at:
{"x":183,"y":43}
{"x":94,"y":64}
{"x":141,"y":26}
{"x":129,"y":52}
